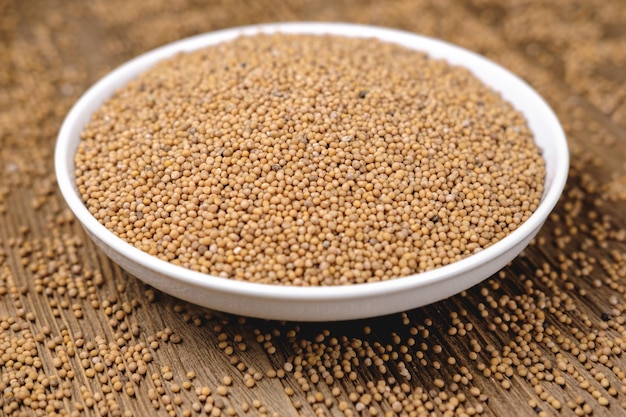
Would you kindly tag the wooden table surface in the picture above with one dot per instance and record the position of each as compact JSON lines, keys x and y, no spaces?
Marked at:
{"x":545,"y":336}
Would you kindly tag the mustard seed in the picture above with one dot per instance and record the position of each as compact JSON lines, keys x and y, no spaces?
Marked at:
{"x":543,"y":318}
{"x":284,"y":171}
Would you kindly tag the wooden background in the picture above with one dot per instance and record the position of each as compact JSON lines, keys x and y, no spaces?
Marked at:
{"x":545,"y":336}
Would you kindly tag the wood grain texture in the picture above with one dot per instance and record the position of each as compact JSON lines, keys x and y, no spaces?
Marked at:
{"x":545,"y":336}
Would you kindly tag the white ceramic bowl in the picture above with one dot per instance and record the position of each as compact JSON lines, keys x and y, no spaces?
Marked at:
{"x":321,"y":303}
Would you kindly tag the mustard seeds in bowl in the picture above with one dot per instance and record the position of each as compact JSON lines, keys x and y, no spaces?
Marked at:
{"x":247,"y":164}
{"x":308,"y":160}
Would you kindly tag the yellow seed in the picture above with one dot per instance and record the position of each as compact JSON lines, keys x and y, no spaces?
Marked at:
{"x":323,"y":187}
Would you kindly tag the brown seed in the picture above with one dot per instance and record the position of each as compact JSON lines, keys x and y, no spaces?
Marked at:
{"x":337,"y":203}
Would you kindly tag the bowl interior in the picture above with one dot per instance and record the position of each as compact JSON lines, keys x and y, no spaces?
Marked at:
{"x":321,"y":303}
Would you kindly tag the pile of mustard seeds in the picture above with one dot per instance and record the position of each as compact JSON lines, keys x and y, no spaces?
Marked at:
{"x":308,"y":160}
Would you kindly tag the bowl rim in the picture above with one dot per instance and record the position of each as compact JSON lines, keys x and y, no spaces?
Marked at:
{"x":64,"y":165}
